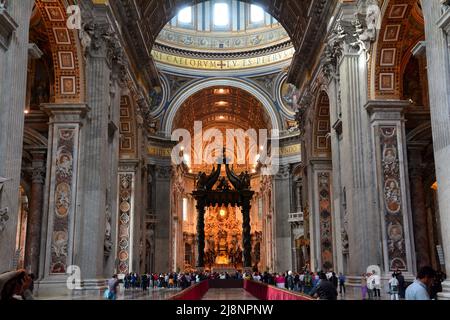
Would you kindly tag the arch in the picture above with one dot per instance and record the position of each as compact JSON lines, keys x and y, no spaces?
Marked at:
{"x":34,"y":138}
{"x":65,"y":49}
{"x":402,"y":27}
{"x":195,"y":87}
{"x":421,"y":132}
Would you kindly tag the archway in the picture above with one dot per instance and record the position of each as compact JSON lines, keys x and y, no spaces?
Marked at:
{"x":221,"y":108}
{"x":169,"y":120}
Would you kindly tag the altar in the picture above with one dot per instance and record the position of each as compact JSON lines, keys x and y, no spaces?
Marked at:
{"x":223,"y":235}
{"x":223,"y":218}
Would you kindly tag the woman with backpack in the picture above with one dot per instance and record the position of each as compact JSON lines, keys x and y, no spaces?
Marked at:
{"x":393,"y":287}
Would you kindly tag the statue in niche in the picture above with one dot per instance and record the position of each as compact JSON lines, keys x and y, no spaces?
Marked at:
{"x":108,"y":236}
{"x":345,"y":243}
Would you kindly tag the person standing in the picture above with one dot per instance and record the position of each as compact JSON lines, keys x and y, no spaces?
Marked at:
{"x":393,"y":287}
{"x":436,"y":286}
{"x":374,"y":284}
{"x":301,"y":281}
{"x":364,"y":286}
{"x":342,"y":280}
{"x":325,"y":290}
{"x":370,"y":285}
{"x":290,"y":281}
{"x":279,"y":280}
{"x":334,"y":280}
{"x":401,"y":284}
{"x":308,"y":280}
{"x":418,"y":290}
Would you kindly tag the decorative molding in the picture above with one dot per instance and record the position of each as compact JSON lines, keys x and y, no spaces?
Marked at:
{"x":325,"y":220}
{"x":283,"y":172}
{"x":126,"y":189}
{"x":4,"y":217}
{"x":7,"y":26}
{"x":65,"y":163}
{"x":392,"y":198}
{"x":38,"y":175}
{"x":163,"y":172}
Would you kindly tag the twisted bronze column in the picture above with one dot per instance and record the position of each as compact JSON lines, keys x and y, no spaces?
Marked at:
{"x":201,"y":233}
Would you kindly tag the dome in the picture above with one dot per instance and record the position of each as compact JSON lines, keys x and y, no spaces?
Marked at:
{"x":220,"y":30}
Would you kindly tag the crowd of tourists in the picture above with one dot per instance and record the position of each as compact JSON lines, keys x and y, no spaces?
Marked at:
{"x":322,"y":285}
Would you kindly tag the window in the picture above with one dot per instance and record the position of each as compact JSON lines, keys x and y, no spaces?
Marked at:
{"x":185,"y":15}
{"x":185,"y":209}
{"x":221,"y":15}
{"x":256,"y":14}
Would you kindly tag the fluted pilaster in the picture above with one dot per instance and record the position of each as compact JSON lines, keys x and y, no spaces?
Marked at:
{"x":13,"y":75}
{"x":437,"y":34}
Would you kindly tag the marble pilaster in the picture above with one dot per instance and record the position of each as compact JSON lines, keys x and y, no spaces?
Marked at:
{"x":390,"y":165}
{"x":437,"y":34}
{"x":126,"y":219}
{"x":321,"y":219}
{"x":14,"y":29}
{"x":282,"y":233}
{"x":60,"y":210}
{"x":162,"y":213}
{"x":102,"y":55}
{"x":348,"y":49}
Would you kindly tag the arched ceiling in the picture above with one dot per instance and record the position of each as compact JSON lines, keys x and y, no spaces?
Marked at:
{"x":305,"y":22}
{"x":222,"y":108}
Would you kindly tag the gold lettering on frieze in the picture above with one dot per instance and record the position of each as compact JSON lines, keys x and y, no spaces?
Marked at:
{"x":231,"y":64}
{"x":290,"y":150}
{"x":159,"y":152}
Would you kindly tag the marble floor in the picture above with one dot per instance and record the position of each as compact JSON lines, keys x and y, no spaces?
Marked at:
{"x":212,"y":294}
{"x":228,"y":294}
{"x":152,"y":294}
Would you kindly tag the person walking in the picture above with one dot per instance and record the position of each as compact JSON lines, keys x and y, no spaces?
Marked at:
{"x":342,"y":280}
{"x":393,"y":287}
{"x":418,"y":290}
{"x":325,"y":290}
{"x":111,"y":292}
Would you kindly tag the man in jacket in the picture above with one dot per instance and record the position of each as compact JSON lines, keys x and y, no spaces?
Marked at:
{"x":325,"y":290}
{"x":375,"y":284}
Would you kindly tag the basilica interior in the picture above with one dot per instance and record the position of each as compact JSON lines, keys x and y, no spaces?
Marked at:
{"x":353,"y":95}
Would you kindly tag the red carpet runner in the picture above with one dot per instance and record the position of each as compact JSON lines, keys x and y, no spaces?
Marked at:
{"x":259,"y":290}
